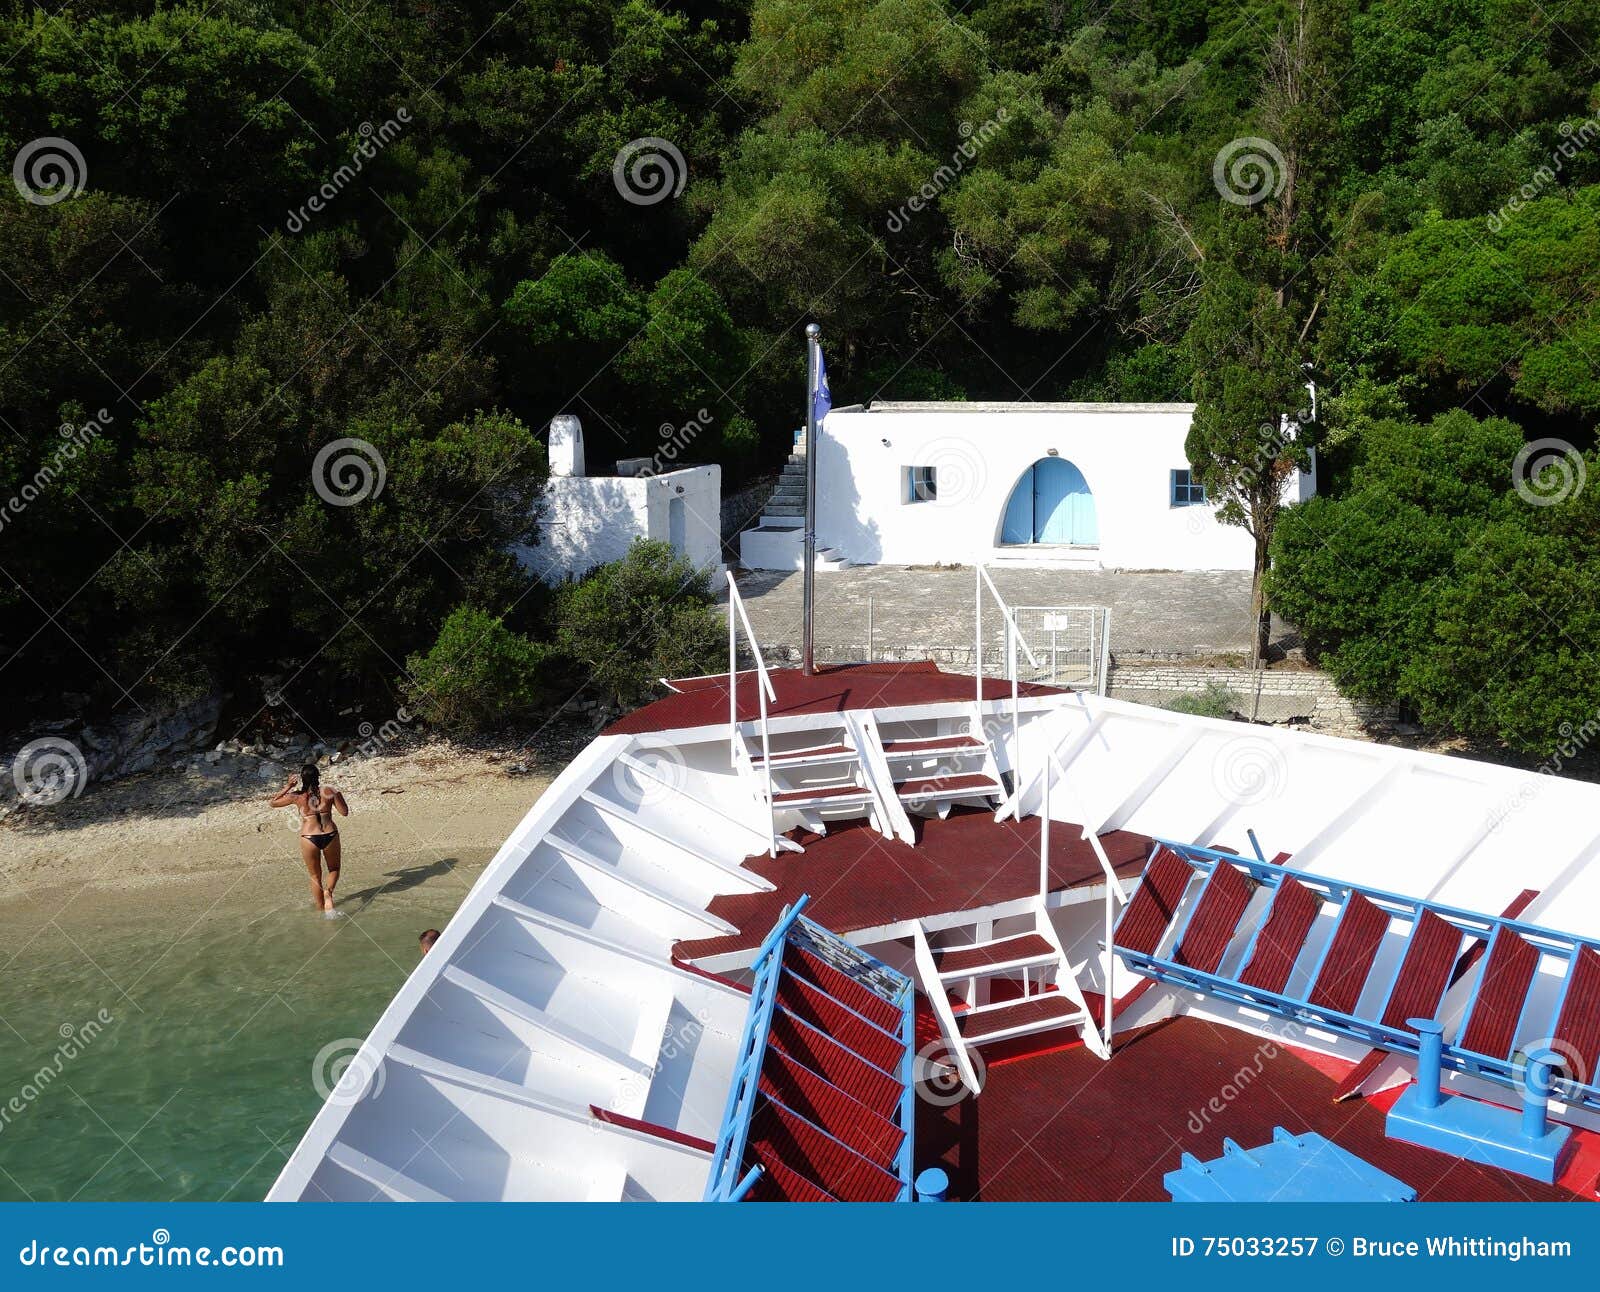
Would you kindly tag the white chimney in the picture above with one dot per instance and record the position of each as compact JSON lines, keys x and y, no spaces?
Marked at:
{"x":566,"y":446}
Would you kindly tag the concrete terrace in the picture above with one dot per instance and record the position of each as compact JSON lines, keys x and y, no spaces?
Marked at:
{"x":926,"y":612}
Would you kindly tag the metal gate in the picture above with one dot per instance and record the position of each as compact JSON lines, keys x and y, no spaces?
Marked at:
{"x":1071,"y":644}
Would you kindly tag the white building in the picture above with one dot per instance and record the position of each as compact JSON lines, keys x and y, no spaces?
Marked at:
{"x":1093,"y":486}
{"x":590,"y":520}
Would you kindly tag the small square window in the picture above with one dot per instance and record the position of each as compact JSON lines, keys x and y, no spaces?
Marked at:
{"x":922,"y":484}
{"x":1186,"y":490}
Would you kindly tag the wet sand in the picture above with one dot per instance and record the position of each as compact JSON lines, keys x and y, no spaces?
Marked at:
{"x":171,"y":1008}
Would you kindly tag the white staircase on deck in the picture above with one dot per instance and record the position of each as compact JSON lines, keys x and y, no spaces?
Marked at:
{"x":963,"y":974}
{"x":852,"y":765}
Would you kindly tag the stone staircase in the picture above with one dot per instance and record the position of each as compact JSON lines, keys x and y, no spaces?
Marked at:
{"x":777,"y":542}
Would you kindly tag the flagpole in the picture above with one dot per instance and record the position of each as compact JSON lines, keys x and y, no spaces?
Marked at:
{"x":809,"y":580}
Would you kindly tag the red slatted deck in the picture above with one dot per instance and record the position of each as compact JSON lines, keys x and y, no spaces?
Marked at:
{"x":923,"y":745}
{"x":843,"y":988}
{"x":777,"y":1183}
{"x":1430,"y":956}
{"x":974,"y":781}
{"x":803,"y":1091}
{"x":814,"y":792}
{"x":1577,"y":1031}
{"x":822,"y":1054}
{"x":703,"y":701}
{"x":1025,"y":946}
{"x":1282,"y":937}
{"x":1069,"y":1127}
{"x":860,"y":880}
{"x":1492,"y":1028}
{"x":1032,"y":1009}
{"x":1216,"y":917}
{"x":811,"y":1005}
{"x":810,"y":1152}
{"x":1350,"y":955}
{"x":1150,"y":913}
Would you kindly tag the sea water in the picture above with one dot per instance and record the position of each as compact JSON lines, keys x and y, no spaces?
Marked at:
{"x":154,"y":1050}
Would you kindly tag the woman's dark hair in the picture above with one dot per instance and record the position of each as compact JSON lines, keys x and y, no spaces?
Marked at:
{"x":310,"y":780}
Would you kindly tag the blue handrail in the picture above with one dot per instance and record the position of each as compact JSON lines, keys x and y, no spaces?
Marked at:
{"x":1563,"y":947}
{"x":725,"y":1184}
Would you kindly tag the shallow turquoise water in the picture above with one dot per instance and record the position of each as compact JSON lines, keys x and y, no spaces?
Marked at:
{"x":202,"y":1080}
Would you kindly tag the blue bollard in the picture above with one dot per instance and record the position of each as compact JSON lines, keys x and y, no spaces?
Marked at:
{"x":1537,"y":1086}
{"x":932,"y":1185}
{"x":1430,"y":1060}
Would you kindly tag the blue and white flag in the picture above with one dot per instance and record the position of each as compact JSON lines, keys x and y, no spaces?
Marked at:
{"x":821,"y":397}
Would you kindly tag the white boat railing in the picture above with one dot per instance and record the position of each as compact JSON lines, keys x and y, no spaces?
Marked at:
{"x":764,"y":692}
{"x":1013,"y":638}
{"x":1114,"y":894}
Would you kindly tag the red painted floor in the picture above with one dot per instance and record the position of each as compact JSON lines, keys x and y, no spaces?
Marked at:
{"x":1066,"y":1126}
{"x":857,"y":879}
{"x":702,"y":701}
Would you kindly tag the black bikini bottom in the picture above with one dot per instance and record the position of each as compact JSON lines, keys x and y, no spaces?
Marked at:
{"x":320,"y":841}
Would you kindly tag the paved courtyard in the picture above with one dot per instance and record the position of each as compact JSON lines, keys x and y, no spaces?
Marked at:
{"x":926,"y":612}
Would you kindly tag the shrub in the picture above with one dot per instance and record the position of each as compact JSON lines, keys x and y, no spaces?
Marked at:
{"x":478,"y":673}
{"x":1216,"y":701}
{"x":636,"y":620}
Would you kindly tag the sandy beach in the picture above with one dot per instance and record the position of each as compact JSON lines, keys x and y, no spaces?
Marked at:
{"x":171,"y":1008}
{"x":209,"y":837}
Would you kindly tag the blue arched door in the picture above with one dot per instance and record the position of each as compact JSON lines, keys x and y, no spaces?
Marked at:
{"x":1051,"y":504}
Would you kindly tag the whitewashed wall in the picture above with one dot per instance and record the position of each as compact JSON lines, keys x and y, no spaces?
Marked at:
{"x":590,"y":520}
{"x":1125,"y":452}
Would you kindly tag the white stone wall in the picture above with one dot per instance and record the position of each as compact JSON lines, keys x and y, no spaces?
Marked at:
{"x":1125,"y":452}
{"x":591,"y":520}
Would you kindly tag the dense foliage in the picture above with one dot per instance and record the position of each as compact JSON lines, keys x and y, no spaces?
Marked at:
{"x":411,"y":225}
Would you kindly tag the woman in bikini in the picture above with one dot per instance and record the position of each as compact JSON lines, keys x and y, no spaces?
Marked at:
{"x":319,"y":837}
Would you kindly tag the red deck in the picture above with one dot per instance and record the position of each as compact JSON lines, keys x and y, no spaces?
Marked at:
{"x":702,"y":701}
{"x":1067,"y":1126}
{"x":857,"y":879}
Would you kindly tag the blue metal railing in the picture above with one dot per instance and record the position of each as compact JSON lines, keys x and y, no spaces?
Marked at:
{"x":735,"y":1130}
{"x":725,"y":1183}
{"x":1560,"y":946}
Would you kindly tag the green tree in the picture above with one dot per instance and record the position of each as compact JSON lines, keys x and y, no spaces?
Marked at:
{"x":630,"y":623}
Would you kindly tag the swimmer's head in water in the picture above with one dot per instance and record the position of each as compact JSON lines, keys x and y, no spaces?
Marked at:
{"x":428,"y":938}
{"x":310,"y":778}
